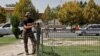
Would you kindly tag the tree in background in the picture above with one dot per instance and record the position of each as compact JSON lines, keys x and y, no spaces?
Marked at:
{"x":47,"y":15}
{"x":25,"y":6}
{"x":2,"y":15}
{"x":15,"y":23}
{"x":90,"y":12}
{"x":70,"y":13}
{"x":54,"y":13}
{"x":82,"y":5}
{"x":98,"y":16}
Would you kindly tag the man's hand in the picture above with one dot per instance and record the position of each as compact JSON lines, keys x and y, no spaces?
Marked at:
{"x":29,"y":25}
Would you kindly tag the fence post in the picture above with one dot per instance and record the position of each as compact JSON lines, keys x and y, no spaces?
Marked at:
{"x":42,"y":43}
{"x":38,"y":32}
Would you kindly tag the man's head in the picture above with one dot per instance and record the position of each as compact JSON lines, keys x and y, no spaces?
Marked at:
{"x":28,"y":14}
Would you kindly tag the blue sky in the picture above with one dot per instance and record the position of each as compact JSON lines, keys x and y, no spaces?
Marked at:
{"x":41,"y":4}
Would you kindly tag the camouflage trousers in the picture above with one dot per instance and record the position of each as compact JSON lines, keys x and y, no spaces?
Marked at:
{"x":30,"y":35}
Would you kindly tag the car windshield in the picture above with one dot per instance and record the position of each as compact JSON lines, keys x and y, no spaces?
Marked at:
{"x":84,"y":26}
{"x":7,"y":25}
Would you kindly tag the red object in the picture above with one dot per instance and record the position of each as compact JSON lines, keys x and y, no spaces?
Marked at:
{"x":77,"y":27}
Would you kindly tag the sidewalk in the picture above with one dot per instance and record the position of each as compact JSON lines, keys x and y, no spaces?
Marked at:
{"x":16,"y":49}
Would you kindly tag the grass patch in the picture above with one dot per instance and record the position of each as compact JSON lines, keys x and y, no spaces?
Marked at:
{"x":71,"y":51}
{"x":7,"y":40}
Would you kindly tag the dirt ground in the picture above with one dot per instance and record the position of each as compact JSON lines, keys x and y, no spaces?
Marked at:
{"x":63,"y":42}
{"x":15,"y":49}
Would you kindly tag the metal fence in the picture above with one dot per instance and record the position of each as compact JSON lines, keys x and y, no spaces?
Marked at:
{"x":67,"y":43}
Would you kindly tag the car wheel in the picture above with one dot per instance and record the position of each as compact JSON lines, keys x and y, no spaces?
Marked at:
{"x":97,"y":34}
{"x":79,"y":34}
{"x":1,"y":35}
{"x":21,"y":32}
{"x":83,"y":33}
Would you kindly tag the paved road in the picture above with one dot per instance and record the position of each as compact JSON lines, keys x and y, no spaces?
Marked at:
{"x":59,"y":34}
{"x":55,"y":34}
{"x":64,"y":34}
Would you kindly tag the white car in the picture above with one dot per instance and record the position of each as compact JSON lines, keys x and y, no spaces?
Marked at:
{"x":6,"y":29}
{"x":92,"y":29}
{"x":68,"y":27}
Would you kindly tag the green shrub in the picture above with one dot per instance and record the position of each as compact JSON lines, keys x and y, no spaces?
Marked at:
{"x":15,"y":23}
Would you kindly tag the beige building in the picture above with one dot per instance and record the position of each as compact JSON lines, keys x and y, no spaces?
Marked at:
{"x":9,"y":11}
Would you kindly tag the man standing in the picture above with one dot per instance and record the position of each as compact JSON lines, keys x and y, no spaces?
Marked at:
{"x":28,"y":23}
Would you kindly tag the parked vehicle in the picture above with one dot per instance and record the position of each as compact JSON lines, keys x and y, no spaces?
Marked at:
{"x":68,"y":27}
{"x":92,"y":29}
{"x":6,"y":29}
